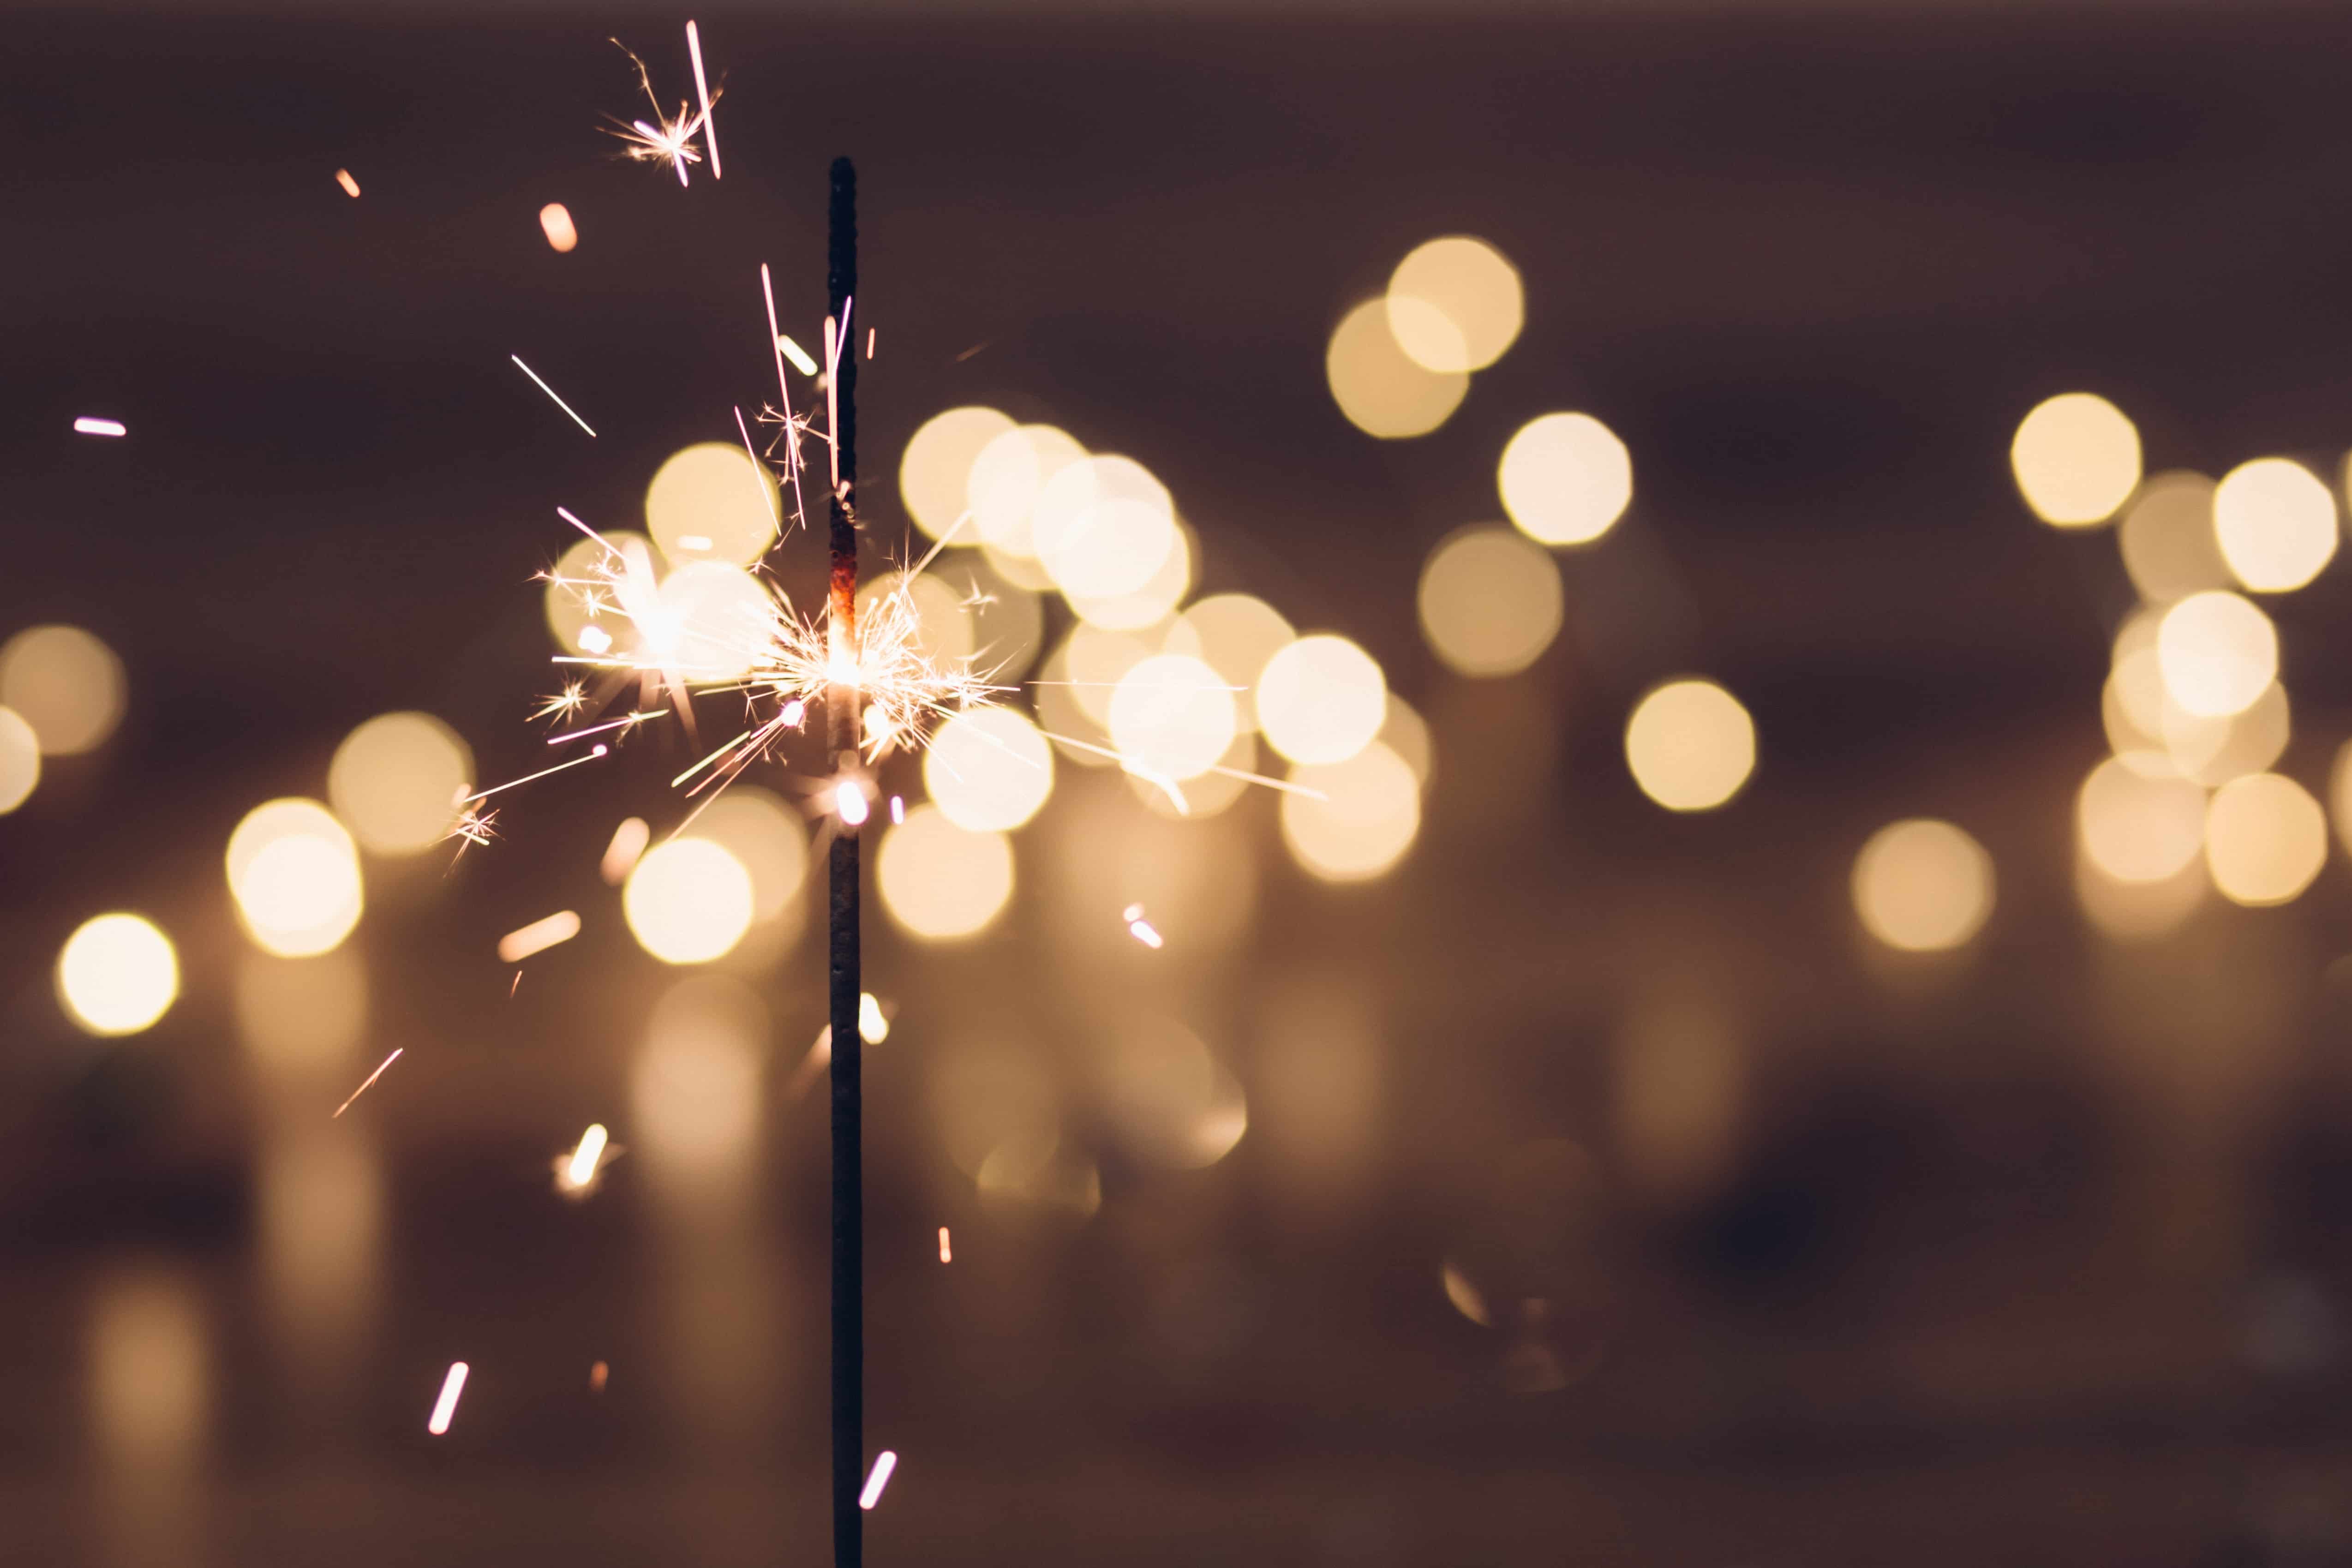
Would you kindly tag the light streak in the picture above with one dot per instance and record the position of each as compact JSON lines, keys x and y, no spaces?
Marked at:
{"x":515,"y":986}
{"x":538,"y":936}
{"x":594,"y":752}
{"x":555,"y":222}
{"x":350,"y":187}
{"x":1140,"y":928}
{"x":446,"y":1405}
{"x":947,"y":1253}
{"x":849,"y":803}
{"x":869,"y":342}
{"x":585,"y":1158}
{"x":596,"y":1376}
{"x":629,"y":841}
{"x":633,"y":719}
{"x":897,"y":812}
{"x":797,"y":354}
{"x":884,"y":1463}
{"x":767,"y":497}
{"x":550,"y":393}
{"x":86,"y":425}
{"x":784,"y":398}
{"x":371,"y":1079}
{"x":702,"y":90}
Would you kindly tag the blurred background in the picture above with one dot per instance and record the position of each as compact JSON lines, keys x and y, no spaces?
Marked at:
{"x":1805,"y":1024}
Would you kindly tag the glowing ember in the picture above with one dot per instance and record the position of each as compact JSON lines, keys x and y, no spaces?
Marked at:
{"x":371,"y":1079}
{"x":797,"y":354}
{"x":550,"y":393}
{"x":1140,"y":928}
{"x":538,"y":936}
{"x":667,"y":140}
{"x":583,"y":1165}
{"x":947,"y":1253}
{"x":555,"y":222}
{"x":596,"y":1375}
{"x":884,"y":1464}
{"x":350,"y":187}
{"x":446,"y":1405}
{"x":86,"y":425}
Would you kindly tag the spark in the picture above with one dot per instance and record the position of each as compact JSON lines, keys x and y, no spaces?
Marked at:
{"x":446,"y":1405}
{"x":555,"y":222}
{"x":668,"y":141}
{"x":550,"y":393}
{"x":629,"y":841}
{"x":516,"y":986}
{"x":629,"y":720}
{"x":593,"y":754}
{"x":86,"y":425}
{"x":476,"y":827}
{"x":869,"y":342}
{"x":897,"y":812}
{"x":538,"y":936}
{"x":583,"y":1165}
{"x":972,"y":350}
{"x":797,"y":354}
{"x":702,"y":90}
{"x":849,"y":802}
{"x":350,"y":187}
{"x":947,"y":1253}
{"x":596,"y":1376}
{"x":1140,"y":928}
{"x":884,"y":1463}
{"x":564,"y":703}
{"x":873,"y":1025}
{"x":371,"y":1079}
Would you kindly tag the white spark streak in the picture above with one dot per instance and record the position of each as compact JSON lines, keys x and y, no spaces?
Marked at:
{"x":897,"y":811}
{"x":446,"y":1405}
{"x":371,"y":1079}
{"x":702,"y":88}
{"x":594,"y":752}
{"x":947,"y":1253}
{"x":350,"y":187}
{"x":538,"y":936}
{"x":550,"y":393}
{"x":797,"y":354}
{"x":86,"y":425}
{"x":884,"y":1463}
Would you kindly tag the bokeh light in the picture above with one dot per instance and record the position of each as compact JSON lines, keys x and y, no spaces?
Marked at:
{"x":1690,"y":744}
{"x":2214,"y":750}
{"x":1321,"y":699}
{"x":1368,"y":818}
{"x":1377,"y":386}
{"x":1207,"y":794}
{"x":1006,"y":621}
{"x":2275,"y":523}
{"x":1406,"y":732}
{"x":710,"y":502}
{"x":2077,"y":458}
{"x":1103,"y":527}
{"x":555,"y":223}
{"x":934,"y":474}
{"x":2141,"y":912}
{"x":1005,"y":478}
{"x":1173,"y":1104}
{"x":1490,"y":601}
{"x":117,"y":974}
{"x":567,"y":603}
{"x":65,"y":684}
{"x":295,"y":875}
{"x":1922,"y":885}
{"x":688,"y":900}
{"x":20,"y":760}
{"x":2138,"y":829}
{"x":1172,"y":715}
{"x":2167,"y":539}
{"x":942,"y":882}
{"x":768,"y":840}
{"x":1154,"y":601}
{"x":396,"y":779}
{"x":2217,"y":652}
{"x":1566,"y":478}
{"x":710,"y":622}
{"x":1234,"y":634}
{"x":1455,"y":305}
{"x":988,"y":769}
{"x":2265,"y":839}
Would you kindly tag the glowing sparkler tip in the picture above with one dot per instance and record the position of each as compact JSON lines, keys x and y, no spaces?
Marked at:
{"x":849,"y":803}
{"x":446,"y":1405}
{"x":884,"y":1463}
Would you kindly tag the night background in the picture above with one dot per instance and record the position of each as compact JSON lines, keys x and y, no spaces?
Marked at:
{"x":1553,"y":1141}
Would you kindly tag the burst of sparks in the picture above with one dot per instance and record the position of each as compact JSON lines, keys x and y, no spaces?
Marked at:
{"x":665,"y":140}
{"x":564,"y":704}
{"x":474,"y":826}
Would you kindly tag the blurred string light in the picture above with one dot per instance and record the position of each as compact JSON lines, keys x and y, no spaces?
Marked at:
{"x":688,"y":900}
{"x":20,"y":760}
{"x":65,"y":684}
{"x":2168,"y":538}
{"x":2265,"y":839}
{"x":1565,"y":479}
{"x":396,"y":780}
{"x":711,"y":503}
{"x":2077,"y":459}
{"x":942,"y":882}
{"x":1690,"y":745}
{"x":1103,"y":527}
{"x":1003,"y":481}
{"x":1490,"y":601}
{"x":294,"y":873}
{"x":1367,"y":817}
{"x":1922,"y":885}
{"x":1455,"y":305}
{"x":2276,"y":523}
{"x":1406,"y":732}
{"x":1234,"y":634}
{"x":117,"y":974}
{"x":2217,"y":652}
{"x":1380,"y":388}
{"x":770,"y":841}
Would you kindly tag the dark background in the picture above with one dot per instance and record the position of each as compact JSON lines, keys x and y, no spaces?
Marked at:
{"x":2029,"y":1252}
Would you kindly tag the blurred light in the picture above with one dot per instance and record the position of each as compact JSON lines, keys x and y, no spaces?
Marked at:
{"x":849,"y":802}
{"x":88,"y":424}
{"x":884,"y":1463}
{"x":629,"y":841}
{"x":943,"y":630}
{"x":396,"y":780}
{"x":873,"y":1026}
{"x":935,"y":473}
{"x":1006,"y":621}
{"x":539,"y":936}
{"x":149,"y":1368}
{"x":988,"y":1094}
{"x":2265,"y":839}
{"x":591,"y":1149}
{"x":301,"y":1016}
{"x":2168,"y":541}
{"x":1922,"y":885}
{"x":939,"y":881}
{"x":1154,"y":601}
{"x":1464,"y":1296}
{"x":294,"y":874}
{"x":1317,"y":1083}
{"x":988,"y":769}
{"x":2275,"y":523}
{"x":445,"y":1408}
{"x":711,"y":501}
{"x":1235,"y":633}
{"x":65,"y":684}
{"x":1406,"y":733}
{"x":711,"y":621}
{"x":1004,"y":481}
{"x":694,"y":1090}
{"x":1381,"y":391}
{"x":2339,"y":794}
{"x":555,"y":222}
{"x":799,"y":356}
{"x":1565,"y":479}
{"x":117,"y":974}
{"x":1209,"y":792}
{"x":2077,"y":458}
{"x":1063,"y":717}
{"x":2217,"y":652}
{"x":2140,"y":912}
{"x":1173,"y":715}
{"x":566,"y":600}
{"x":1454,"y":304}
{"x":350,"y":187}
{"x":1172,"y":1103}
{"x":20,"y":760}
{"x":1691,"y":745}
{"x":768,"y":840}
{"x":319,"y":1204}
{"x":690,"y":901}
{"x":2138,"y":829}
{"x":2214,"y":750}
{"x":1681,"y":1082}
{"x":1103,"y":527}
{"x":1370,"y":817}
{"x":1320,"y":700}
{"x":1490,"y":601}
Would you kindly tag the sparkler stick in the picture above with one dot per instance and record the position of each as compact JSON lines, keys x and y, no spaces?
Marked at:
{"x":842,"y":735}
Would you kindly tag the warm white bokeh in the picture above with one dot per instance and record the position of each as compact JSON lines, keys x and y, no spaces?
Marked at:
{"x":1172,"y":715}
{"x":935,"y":473}
{"x":690,"y":901}
{"x":20,"y":760}
{"x":2212,"y":752}
{"x":710,"y":623}
{"x":2138,"y":829}
{"x":294,"y":872}
{"x":2217,"y":652}
{"x":1922,"y":885}
{"x":117,"y":974}
{"x":1103,"y":527}
{"x":1377,"y":386}
{"x":1006,"y":479}
{"x":2167,"y":539}
{"x":2077,"y":458}
{"x":768,"y":840}
{"x":1490,"y":601}
{"x":1234,"y":634}
{"x":1455,"y":305}
{"x":1691,"y":745}
{"x":942,"y":882}
{"x":711,"y":501}
{"x":1321,"y":699}
{"x":65,"y":684}
{"x":1368,"y":818}
{"x":2265,"y":839}
{"x":2276,"y":523}
{"x":944,"y":633}
{"x":1565,"y":479}
{"x":1406,"y":732}
{"x":988,"y":769}
{"x":396,"y":779}
{"x":573,"y":580}
{"x":1150,"y":603}
{"x":2140,"y":912}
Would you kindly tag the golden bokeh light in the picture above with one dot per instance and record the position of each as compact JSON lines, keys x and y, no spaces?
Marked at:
{"x":2265,"y":839}
{"x":768,"y":840}
{"x":2167,"y":539}
{"x":1691,"y":745}
{"x":943,"y":633}
{"x":2217,"y":652}
{"x":942,"y":882}
{"x":20,"y":760}
{"x":1455,"y":305}
{"x":117,"y":974}
{"x":1006,"y":479}
{"x":1150,"y":603}
{"x":2138,"y":829}
{"x":1172,"y":715}
{"x":1234,"y":634}
{"x":1406,"y":732}
{"x":1321,"y":699}
{"x":1097,"y":660}
{"x":2275,"y":523}
{"x":1490,"y":601}
{"x":1173,"y":1104}
{"x":1377,"y":386}
{"x":711,"y":501}
{"x":1075,"y":732}
{"x":2077,"y":458}
{"x":2214,"y":750}
{"x":1368,"y":818}
{"x":1006,"y":621}
{"x":2140,"y":912}
{"x":688,"y":900}
{"x":1566,"y":478}
{"x":555,"y":223}
{"x":1209,"y":792}
{"x":934,"y":474}
{"x":294,"y":872}
{"x":1103,"y":527}
{"x":711,"y":623}
{"x":988,"y":769}
{"x":396,"y":780}
{"x":65,"y":684}
{"x":1922,"y":886}
{"x":568,"y":605}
